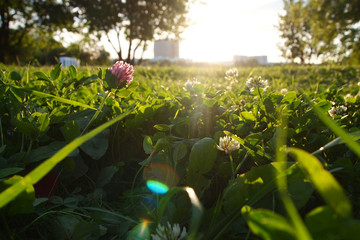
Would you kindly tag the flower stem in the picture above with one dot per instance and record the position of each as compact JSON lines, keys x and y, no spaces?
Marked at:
{"x":96,"y":113}
{"x":259,"y":94}
{"x":232,"y":166}
{"x":241,"y":163}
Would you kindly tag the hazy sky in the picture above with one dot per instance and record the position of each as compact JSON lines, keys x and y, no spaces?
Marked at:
{"x":223,"y":28}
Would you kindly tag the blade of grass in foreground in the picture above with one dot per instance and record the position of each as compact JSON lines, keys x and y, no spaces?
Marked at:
{"x":281,"y":180}
{"x":34,"y":176}
{"x":59,"y":99}
{"x":327,"y":186}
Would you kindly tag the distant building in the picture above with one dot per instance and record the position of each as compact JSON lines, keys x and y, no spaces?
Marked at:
{"x":67,"y":61}
{"x":166,"y":49}
{"x":262,"y":60}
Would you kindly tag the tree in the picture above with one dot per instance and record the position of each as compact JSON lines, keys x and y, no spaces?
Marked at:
{"x":335,"y":27}
{"x":138,"y":21}
{"x":294,"y":28}
{"x":19,"y":17}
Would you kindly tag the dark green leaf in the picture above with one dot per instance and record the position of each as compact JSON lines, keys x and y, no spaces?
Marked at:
{"x":43,"y":122}
{"x":19,"y":95}
{"x":179,"y":152}
{"x":23,"y":202}
{"x":269,"y":106}
{"x":289,"y":97}
{"x":132,"y":86}
{"x":256,"y":186}
{"x":147,"y":145}
{"x":41,"y":76}
{"x":202,"y":156}
{"x":100,"y":74}
{"x":86,"y":230}
{"x":25,"y":127}
{"x":162,"y":127}
{"x":15,"y":76}
{"x":55,"y":72}
{"x":123,"y":93}
{"x":110,"y":79}
{"x":44,"y":152}
{"x":70,"y":130}
{"x":2,"y":150}
{"x":71,"y":202}
{"x":96,"y":147}
{"x":324,"y":223}
{"x":106,"y":175}
{"x":6,"y":172}
{"x":72,"y":72}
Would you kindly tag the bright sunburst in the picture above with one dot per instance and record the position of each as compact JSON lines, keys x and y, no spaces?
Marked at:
{"x":223,"y":28}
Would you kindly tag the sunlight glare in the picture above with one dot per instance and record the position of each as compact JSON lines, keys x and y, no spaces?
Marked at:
{"x":221,"y":29}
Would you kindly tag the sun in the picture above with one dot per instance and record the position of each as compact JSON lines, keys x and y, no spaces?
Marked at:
{"x":224,"y":28}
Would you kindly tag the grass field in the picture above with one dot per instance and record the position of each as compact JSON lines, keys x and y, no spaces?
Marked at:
{"x":180,"y":153}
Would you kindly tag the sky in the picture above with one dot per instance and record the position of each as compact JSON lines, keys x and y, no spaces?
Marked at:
{"x":220,"y":29}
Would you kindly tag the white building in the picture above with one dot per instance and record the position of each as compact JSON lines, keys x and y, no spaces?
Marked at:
{"x":166,"y":49}
{"x":262,"y":60}
{"x":67,"y":61}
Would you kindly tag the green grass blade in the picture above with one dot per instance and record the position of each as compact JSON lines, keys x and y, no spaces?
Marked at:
{"x":281,"y":181}
{"x":324,"y":182}
{"x":34,"y":176}
{"x":197,"y":212}
{"x":355,"y":136}
{"x":56,"y":98}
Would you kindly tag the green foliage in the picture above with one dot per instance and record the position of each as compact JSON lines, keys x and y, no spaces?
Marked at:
{"x":295,"y":30}
{"x":16,"y":39}
{"x":327,"y":28}
{"x":76,"y":154}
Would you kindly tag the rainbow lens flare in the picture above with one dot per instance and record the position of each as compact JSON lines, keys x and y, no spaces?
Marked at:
{"x":157,"y":187}
{"x":160,"y":177}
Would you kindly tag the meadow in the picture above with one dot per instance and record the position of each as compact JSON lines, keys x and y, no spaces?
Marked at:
{"x":206,"y":152}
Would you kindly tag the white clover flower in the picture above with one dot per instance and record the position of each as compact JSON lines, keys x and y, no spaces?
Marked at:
{"x":231,"y":74}
{"x":283,"y":91}
{"x":253,"y":83}
{"x":189,"y":85}
{"x":337,"y":111}
{"x":227,"y":144}
{"x":169,"y":232}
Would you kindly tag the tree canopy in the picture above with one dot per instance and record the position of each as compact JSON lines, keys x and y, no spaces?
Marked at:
{"x":139,"y":21}
{"x":328,"y":29}
{"x":24,"y":23}
{"x":19,"y":19}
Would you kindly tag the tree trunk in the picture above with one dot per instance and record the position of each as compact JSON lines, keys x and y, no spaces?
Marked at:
{"x":142,"y":54}
{"x":4,"y":37}
{"x":134,"y":51}
{"x":119,"y":53}
{"x":129,"y":59}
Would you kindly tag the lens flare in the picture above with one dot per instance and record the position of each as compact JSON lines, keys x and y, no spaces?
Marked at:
{"x":160,"y":177}
{"x":157,"y":187}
